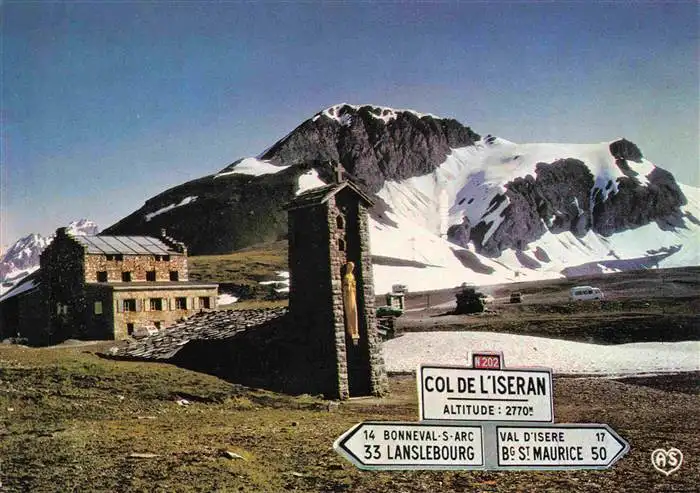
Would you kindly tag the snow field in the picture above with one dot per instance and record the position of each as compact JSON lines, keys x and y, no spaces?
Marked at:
{"x":405,"y":353}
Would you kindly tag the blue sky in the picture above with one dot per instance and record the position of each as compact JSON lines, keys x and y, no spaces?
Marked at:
{"x":105,"y":104}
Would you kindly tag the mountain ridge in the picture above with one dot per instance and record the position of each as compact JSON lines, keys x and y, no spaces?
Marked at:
{"x":503,"y":206}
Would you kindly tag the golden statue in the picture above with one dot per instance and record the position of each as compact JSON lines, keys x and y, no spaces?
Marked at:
{"x":350,"y":303}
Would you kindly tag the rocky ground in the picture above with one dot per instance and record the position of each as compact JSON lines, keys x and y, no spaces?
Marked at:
{"x":71,"y":421}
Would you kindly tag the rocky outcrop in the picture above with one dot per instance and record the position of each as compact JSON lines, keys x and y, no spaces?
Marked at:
{"x":563,"y":197}
{"x":634,"y":205}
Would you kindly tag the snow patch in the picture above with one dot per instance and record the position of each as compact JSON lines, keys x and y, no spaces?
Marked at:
{"x":252,"y":166}
{"x":564,"y":357}
{"x":308,"y":181}
{"x":185,"y":201}
{"x":226,"y":299}
{"x":282,"y":285}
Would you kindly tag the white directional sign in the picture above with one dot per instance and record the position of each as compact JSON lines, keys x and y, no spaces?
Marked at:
{"x":392,"y":445}
{"x":473,"y":394}
{"x":560,"y":446}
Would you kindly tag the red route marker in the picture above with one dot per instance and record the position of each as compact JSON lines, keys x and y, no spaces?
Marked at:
{"x":487,"y":361}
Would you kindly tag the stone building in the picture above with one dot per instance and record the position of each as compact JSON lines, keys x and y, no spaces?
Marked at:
{"x":106,"y":287}
{"x":329,"y":227}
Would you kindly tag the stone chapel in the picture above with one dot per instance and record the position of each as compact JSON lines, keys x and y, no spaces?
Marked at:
{"x":331,"y":301}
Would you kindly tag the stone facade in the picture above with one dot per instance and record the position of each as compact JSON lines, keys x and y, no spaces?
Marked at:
{"x":171,"y":303}
{"x":139,"y":267}
{"x":329,"y":227}
{"x":104,"y":287}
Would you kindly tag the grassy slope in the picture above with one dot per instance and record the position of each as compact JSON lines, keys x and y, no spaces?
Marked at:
{"x":246,"y":266}
{"x":241,"y":271}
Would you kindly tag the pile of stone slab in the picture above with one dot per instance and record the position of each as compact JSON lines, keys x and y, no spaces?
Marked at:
{"x":222,"y":324}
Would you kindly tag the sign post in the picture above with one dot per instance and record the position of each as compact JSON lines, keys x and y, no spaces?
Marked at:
{"x":560,"y":446}
{"x":470,"y":394}
{"x":483,"y":417}
{"x":392,"y":445}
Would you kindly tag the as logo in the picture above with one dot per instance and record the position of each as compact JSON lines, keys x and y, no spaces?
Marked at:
{"x":667,"y":461}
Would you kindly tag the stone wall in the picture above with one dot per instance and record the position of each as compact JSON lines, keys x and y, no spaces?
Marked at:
{"x":138,"y":265}
{"x":378,"y":379}
{"x":25,"y":315}
{"x":63,"y":287}
{"x":310,"y":297}
{"x":99,"y":326}
{"x":338,"y":259}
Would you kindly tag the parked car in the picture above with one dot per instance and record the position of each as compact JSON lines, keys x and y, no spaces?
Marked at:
{"x":389,"y":311}
{"x":583,"y":293}
{"x":516,"y":297}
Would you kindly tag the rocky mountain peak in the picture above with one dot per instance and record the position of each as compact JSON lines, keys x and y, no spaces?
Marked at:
{"x":82,"y":227}
{"x":373,"y":143}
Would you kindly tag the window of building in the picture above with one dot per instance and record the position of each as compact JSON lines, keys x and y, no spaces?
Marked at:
{"x":129,"y":305}
{"x":98,"y":308}
{"x":341,"y":245}
{"x":158,"y":324}
{"x":156,"y":258}
{"x":119,"y":257}
{"x":181,"y":303}
{"x":204,"y":302}
{"x":151,"y":275}
{"x":174,"y":275}
{"x":340,"y":222}
{"x":129,"y":328}
{"x":126,"y":276}
{"x":166,"y":258}
{"x":61,"y":309}
{"x":101,"y":276}
{"x":109,"y":257}
{"x":155,"y":304}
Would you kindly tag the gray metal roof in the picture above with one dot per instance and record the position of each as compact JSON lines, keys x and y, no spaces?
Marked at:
{"x":129,"y":245}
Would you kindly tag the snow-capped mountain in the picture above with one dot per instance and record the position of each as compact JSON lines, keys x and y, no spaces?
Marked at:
{"x":22,"y":258}
{"x":450,"y":206}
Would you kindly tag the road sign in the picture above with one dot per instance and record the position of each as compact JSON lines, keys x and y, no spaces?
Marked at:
{"x":394,"y":445}
{"x":487,"y":360}
{"x":560,"y":446}
{"x":456,"y":393}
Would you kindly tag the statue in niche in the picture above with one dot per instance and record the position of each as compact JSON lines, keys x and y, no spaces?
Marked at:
{"x":350,"y":303}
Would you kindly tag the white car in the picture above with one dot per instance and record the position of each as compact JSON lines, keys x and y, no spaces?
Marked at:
{"x":584,"y":293}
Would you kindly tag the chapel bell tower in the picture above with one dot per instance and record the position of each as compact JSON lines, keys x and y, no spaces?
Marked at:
{"x":331,"y":298}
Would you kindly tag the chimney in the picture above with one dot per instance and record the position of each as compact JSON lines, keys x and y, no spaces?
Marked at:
{"x":172,"y":242}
